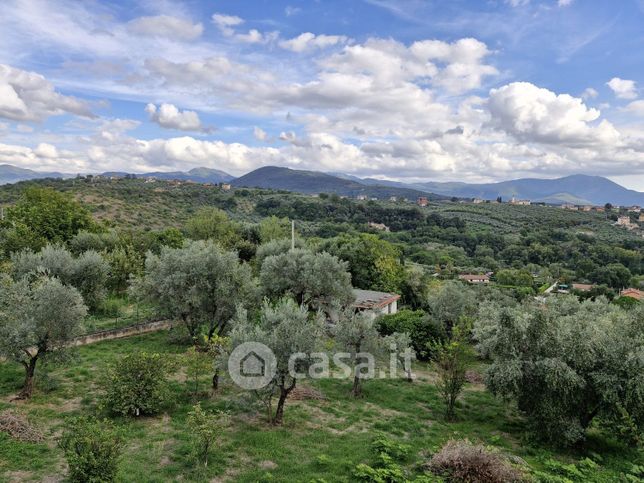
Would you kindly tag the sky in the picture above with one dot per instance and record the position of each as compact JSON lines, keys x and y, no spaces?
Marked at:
{"x":409,"y":90}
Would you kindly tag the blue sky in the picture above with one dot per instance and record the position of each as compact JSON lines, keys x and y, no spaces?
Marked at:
{"x":407,"y":89}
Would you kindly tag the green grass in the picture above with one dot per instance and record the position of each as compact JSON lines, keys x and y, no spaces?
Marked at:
{"x":319,"y":439}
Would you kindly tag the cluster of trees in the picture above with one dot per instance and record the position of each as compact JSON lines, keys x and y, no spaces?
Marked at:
{"x":566,"y":364}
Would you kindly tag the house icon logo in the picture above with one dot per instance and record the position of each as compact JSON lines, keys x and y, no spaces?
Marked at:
{"x":252,"y":365}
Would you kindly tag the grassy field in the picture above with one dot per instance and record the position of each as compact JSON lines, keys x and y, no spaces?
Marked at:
{"x":321,"y":439}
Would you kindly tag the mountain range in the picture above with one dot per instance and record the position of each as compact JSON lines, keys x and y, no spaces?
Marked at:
{"x":312,"y":182}
{"x":577,"y":189}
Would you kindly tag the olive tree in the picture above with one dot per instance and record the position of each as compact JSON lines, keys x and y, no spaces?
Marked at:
{"x":318,"y":280}
{"x":292,"y":334}
{"x":200,"y":284}
{"x":37,"y":318}
{"x":88,"y":272}
{"x":565,"y":363}
{"x":358,"y":335}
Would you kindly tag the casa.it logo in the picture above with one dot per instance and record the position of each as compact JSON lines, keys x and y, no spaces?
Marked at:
{"x":252,"y":365}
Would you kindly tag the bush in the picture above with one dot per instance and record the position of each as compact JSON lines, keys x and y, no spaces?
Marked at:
{"x":423,"y":330}
{"x":137,"y":384}
{"x":463,"y":461}
{"x":92,"y":449}
{"x":206,"y":428}
{"x":387,"y":469}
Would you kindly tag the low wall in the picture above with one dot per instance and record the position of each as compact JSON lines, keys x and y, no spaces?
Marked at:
{"x":122,"y":332}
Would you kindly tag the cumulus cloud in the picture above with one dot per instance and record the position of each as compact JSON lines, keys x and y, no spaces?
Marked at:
{"x":308,"y":41}
{"x":166,"y":26}
{"x":170,"y":117}
{"x":623,"y":88}
{"x":531,"y":113}
{"x":27,"y":96}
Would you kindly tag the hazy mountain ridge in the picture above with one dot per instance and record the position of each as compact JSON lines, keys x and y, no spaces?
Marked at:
{"x":313,"y":182}
{"x":578,"y":189}
{"x":13,"y":174}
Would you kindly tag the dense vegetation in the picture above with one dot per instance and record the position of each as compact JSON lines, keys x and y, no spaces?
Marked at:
{"x":509,"y":382}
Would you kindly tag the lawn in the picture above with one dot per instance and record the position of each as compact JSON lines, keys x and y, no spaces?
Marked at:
{"x":321,"y":439}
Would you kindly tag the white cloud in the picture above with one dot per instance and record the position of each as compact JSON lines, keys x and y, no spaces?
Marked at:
{"x":225,"y":23}
{"x":27,"y":96}
{"x":623,"y":88}
{"x":517,"y":3}
{"x":166,"y":26}
{"x":170,"y":117}
{"x":589,"y":93}
{"x":289,"y":11}
{"x":564,"y":3}
{"x":260,"y":134}
{"x":535,"y":114}
{"x":46,"y":150}
{"x":635,"y":107}
{"x":307,"y":41}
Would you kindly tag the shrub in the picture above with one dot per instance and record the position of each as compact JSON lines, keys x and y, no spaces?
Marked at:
{"x":463,"y":461}
{"x":206,"y":428}
{"x":422,"y":329}
{"x":92,"y":449}
{"x":387,"y":468}
{"x":137,"y":384}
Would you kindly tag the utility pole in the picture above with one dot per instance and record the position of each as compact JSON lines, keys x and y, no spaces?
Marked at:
{"x":292,"y":234}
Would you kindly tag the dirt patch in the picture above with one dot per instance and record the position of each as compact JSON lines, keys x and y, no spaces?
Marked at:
{"x":304,"y":393}
{"x":268,"y":465}
{"x":17,"y":476}
{"x":474,"y":377}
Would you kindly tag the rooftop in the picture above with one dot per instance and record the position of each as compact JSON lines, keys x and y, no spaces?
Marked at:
{"x":370,"y":299}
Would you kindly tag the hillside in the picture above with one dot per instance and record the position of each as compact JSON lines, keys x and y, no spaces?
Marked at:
{"x":313,"y":182}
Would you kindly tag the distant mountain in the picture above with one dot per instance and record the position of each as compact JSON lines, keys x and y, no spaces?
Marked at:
{"x":197,"y":175}
{"x":578,"y":189}
{"x":13,"y":174}
{"x":313,"y":182}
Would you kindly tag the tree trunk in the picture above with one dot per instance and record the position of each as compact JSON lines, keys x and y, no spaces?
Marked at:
{"x":357,"y":387}
{"x":28,"y":386}
{"x":215,"y":380}
{"x":279,"y":413}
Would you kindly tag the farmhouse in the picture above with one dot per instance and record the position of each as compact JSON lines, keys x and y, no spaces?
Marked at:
{"x":375,"y":302}
{"x":422,"y":201}
{"x":473,"y":278}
